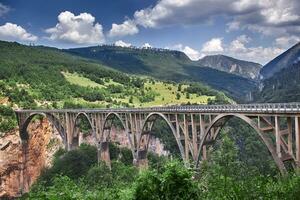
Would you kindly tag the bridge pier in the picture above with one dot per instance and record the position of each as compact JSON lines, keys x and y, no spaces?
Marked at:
{"x":297,"y":131}
{"x":105,"y":154}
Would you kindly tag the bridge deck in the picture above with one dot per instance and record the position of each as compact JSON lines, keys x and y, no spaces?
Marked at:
{"x":280,"y":108}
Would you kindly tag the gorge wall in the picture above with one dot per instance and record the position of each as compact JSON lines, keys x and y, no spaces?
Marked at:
{"x":22,"y":163}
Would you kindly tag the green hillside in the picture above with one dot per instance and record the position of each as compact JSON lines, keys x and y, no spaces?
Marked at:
{"x":167,"y":65}
{"x":32,"y":77}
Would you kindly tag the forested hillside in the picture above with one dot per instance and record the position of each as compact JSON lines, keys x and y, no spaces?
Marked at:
{"x":167,"y":65}
{"x":283,"y":86}
{"x":33,"y":77}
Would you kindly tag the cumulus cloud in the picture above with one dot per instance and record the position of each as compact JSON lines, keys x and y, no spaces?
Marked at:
{"x":146,"y":46}
{"x":239,"y":48}
{"x":280,"y":17}
{"x":80,"y":29}
{"x":121,"y":43}
{"x":13,"y":32}
{"x":286,"y":42}
{"x":128,"y":27}
{"x":213,"y":45}
{"x":3,"y":9}
{"x":193,"y":54}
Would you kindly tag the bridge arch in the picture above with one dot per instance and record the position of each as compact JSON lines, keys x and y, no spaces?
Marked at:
{"x":223,"y":118}
{"x":75,"y":140}
{"x":152,"y":117}
{"x":56,"y":122}
{"x":110,"y":117}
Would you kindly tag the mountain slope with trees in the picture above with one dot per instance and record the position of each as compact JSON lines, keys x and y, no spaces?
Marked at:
{"x":167,"y":65}
{"x":281,"y":78}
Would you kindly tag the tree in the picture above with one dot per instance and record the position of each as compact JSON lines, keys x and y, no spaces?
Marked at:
{"x":178,"y":96}
{"x":131,"y":99}
{"x":174,"y":182}
{"x":187,"y":95}
{"x":179,"y":87}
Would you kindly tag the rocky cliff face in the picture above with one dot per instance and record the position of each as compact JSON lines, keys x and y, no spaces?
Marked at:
{"x":231,"y":65}
{"x":21,"y":164}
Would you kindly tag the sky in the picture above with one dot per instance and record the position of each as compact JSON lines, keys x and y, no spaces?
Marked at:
{"x":253,"y":30}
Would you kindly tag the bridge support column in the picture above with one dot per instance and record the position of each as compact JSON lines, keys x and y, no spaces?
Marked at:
{"x":278,"y":136}
{"x":186,"y":139}
{"x":142,"y":161}
{"x":68,"y":131}
{"x":297,"y":137}
{"x":104,"y":153}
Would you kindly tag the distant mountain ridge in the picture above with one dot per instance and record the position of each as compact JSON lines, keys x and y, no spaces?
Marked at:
{"x":284,"y":60}
{"x":231,"y":65}
{"x":166,"y":64}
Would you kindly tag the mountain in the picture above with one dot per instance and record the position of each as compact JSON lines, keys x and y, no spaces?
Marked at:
{"x":284,"y":60}
{"x":154,"y":62}
{"x":167,"y":65}
{"x":231,"y":65}
{"x":281,"y":78}
{"x":283,"y":86}
{"x":37,"y":76}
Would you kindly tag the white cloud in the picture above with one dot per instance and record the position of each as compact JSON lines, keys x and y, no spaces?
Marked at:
{"x":146,"y":46}
{"x":213,"y":45}
{"x":128,"y":27}
{"x":239,"y":48}
{"x":272,"y":18}
{"x":190,"y":52}
{"x":13,"y":32}
{"x":3,"y":9}
{"x":280,"y":17}
{"x":80,"y":29}
{"x":121,"y":43}
{"x":286,"y":42}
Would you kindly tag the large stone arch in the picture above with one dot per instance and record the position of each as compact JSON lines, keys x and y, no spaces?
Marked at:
{"x":156,"y":116}
{"x":110,"y":117}
{"x":223,"y":118}
{"x":76,"y":139}
{"x":56,"y":122}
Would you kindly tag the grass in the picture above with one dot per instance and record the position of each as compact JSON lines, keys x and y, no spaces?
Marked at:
{"x":165,"y":92}
{"x":77,"y":79}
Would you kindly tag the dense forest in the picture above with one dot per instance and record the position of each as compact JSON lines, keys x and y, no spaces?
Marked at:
{"x":283,"y":86}
{"x":77,"y":175}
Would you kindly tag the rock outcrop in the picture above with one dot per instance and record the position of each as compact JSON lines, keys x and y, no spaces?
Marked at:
{"x":21,"y":163}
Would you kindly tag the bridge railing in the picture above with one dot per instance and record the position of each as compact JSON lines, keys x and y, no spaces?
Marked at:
{"x":262,"y":107}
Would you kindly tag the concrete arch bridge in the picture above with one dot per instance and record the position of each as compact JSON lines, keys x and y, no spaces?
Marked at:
{"x":193,"y":127}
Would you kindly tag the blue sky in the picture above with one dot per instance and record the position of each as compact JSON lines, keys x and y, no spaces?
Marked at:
{"x":255,"y":30}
